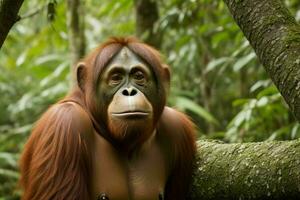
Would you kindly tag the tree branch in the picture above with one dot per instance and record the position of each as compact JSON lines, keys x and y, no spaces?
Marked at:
{"x":75,"y":17}
{"x":275,"y":36}
{"x":147,"y":15}
{"x":264,"y":170}
{"x":8,"y":16}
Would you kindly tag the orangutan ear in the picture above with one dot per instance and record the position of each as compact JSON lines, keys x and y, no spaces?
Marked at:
{"x":81,"y":75}
{"x":167,"y":78}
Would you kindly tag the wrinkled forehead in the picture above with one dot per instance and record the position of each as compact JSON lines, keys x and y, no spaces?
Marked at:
{"x":127,"y":59}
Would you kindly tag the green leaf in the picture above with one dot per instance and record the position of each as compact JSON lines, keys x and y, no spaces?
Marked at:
{"x":216,"y":62}
{"x":9,"y":173}
{"x":7,"y":159}
{"x":243,"y":61}
{"x":48,"y":58}
{"x":294,"y":131}
{"x":58,"y":71}
{"x":260,"y":84}
{"x":262,"y":102}
{"x":267,"y":91}
{"x":59,"y":88}
{"x":244,"y":46}
{"x":240,"y":102}
{"x":238,"y":119}
{"x":187,"y":104}
{"x":21,"y":59}
{"x":279,"y":132}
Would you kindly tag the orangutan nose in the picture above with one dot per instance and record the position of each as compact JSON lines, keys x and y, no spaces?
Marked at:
{"x":129,"y":91}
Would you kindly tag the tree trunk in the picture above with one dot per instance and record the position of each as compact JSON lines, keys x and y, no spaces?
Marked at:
{"x":275,"y":36}
{"x":265,"y":170}
{"x":8,"y":16}
{"x":75,"y":18}
{"x":147,"y":15}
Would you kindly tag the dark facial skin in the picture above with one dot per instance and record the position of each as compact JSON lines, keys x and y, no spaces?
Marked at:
{"x":128,"y":88}
{"x":129,"y":83}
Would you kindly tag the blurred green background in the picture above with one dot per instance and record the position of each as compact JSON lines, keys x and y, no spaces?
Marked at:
{"x":216,"y":77}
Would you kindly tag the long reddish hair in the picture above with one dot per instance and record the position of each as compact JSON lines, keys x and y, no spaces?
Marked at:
{"x":56,"y":163}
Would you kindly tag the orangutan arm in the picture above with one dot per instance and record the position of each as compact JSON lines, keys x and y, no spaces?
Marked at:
{"x":182,"y":136}
{"x":55,"y":163}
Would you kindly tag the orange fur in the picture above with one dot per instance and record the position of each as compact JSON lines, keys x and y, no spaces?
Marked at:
{"x":56,"y":161}
{"x":181,"y":132}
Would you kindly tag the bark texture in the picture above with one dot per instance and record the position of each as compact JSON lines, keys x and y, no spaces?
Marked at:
{"x":75,"y":20}
{"x":8,"y":16}
{"x":147,"y":16}
{"x":275,"y":36}
{"x":265,"y":170}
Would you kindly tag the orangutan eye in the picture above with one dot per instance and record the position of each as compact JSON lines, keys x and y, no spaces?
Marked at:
{"x":139,"y":77}
{"x":115,"y":79}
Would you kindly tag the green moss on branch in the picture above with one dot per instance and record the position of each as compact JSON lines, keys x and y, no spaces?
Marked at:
{"x":266,"y":170}
{"x":275,"y":37}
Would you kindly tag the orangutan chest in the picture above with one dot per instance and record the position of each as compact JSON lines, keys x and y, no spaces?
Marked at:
{"x":140,"y":178}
